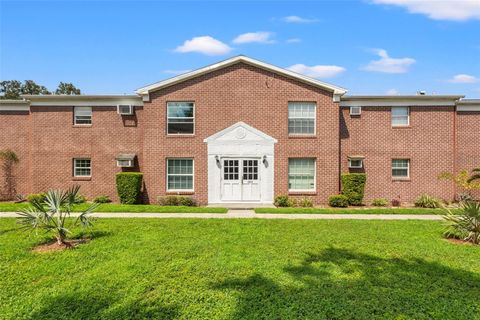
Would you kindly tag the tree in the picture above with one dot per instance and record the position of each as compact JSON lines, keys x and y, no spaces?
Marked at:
{"x":67,"y":88}
{"x":475,"y":175}
{"x":8,"y":159}
{"x":52,"y":215}
{"x":30,"y":87}
{"x":10,"y":89}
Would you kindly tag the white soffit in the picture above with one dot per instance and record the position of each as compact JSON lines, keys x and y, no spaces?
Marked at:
{"x":225,"y":63}
{"x":466,"y":105}
{"x":14,"y":105}
{"x":399,"y":101}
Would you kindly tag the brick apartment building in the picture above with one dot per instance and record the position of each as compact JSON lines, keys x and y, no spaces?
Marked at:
{"x":242,"y":130}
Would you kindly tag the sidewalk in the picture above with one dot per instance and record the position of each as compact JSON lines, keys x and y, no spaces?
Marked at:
{"x":250,"y":214}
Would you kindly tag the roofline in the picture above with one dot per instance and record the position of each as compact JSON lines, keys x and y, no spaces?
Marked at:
{"x":398,"y":101}
{"x":468,"y":102}
{"x":403,"y":97}
{"x":14,"y":105}
{"x":225,"y":63}
{"x":83,"y":100}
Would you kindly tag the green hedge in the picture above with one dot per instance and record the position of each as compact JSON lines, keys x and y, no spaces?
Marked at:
{"x":338,"y":201}
{"x":353,"y":187}
{"x":129,"y":186}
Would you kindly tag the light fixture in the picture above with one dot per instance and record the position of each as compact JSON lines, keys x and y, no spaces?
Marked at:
{"x":217,"y":159}
{"x":264,"y":159}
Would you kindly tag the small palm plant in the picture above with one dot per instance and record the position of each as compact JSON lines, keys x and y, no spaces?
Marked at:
{"x":466,"y":223}
{"x":52,"y":214}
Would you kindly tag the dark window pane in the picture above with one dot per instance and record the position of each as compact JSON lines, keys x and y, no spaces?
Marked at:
{"x":180,"y":128}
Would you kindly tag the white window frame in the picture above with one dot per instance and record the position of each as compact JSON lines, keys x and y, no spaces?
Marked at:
{"x":355,"y":167}
{"x":314,"y":119}
{"x":167,"y":174}
{"x":79,"y":108}
{"x":355,"y":114}
{"x":75,"y":168}
{"x":194,"y":125}
{"x":314,"y":177}
{"x":400,"y":117}
{"x":403,"y":168}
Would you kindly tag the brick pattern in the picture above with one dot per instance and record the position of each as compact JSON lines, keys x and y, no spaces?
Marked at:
{"x":46,"y":140}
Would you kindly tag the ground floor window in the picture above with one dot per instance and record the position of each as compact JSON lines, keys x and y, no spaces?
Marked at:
{"x":82,"y":167}
{"x":301,"y":174}
{"x":400,"y":168}
{"x":180,"y":174}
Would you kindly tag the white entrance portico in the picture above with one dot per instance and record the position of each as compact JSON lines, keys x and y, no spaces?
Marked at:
{"x":240,"y":165}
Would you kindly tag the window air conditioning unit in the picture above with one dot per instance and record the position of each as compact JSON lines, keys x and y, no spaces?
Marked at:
{"x":125,"y":163}
{"x":125,"y":109}
{"x":355,"y":111}
{"x":355,"y":163}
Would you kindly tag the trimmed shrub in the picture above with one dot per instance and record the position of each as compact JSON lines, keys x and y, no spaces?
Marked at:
{"x":282,"y":201}
{"x":305,"y":202}
{"x":338,"y":200}
{"x":353,"y":187}
{"x":40,"y":197}
{"x":176,"y":201}
{"x":426,"y":201}
{"x":129,"y":186}
{"x":379,"y":202}
{"x":102,"y":199}
{"x":80,"y":198}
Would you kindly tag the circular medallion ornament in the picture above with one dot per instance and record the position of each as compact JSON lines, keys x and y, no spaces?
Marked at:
{"x":240,"y":133}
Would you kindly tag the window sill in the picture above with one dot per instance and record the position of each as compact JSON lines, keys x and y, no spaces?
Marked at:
{"x":402,"y":127}
{"x":180,"y":135}
{"x":81,"y":178}
{"x":300,"y":193}
{"x":82,"y":125}
{"x":401,"y":179}
{"x":180,"y":192}
{"x":302,"y":136}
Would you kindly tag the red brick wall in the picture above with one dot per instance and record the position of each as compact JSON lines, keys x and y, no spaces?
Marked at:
{"x":468,"y":142}
{"x":256,"y":97}
{"x":427,"y":142}
{"x":14,"y":135}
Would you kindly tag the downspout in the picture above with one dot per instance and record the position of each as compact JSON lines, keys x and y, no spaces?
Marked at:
{"x":455,"y":151}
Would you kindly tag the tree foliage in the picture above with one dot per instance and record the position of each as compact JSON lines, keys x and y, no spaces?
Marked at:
{"x":475,"y":176}
{"x":13,"y":89}
{"x":461,"y":179}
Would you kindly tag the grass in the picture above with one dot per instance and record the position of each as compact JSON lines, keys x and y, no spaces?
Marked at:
{"x":242,"y":269}
{"x":115,"y":207}
{"x":352,"y":210}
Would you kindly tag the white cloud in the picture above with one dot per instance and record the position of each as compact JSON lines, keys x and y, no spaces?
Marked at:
{"x":297,"y":19}
{"x":206,"y":45}
{"x":317,"y":71}
{"x":392,"y":92}
{"x":293,"y":40}
{"x":258,"y":37}
{"x":463,"y":78}
{"x":387,"y":64}
{"x":456,"y":10}
{"x":175,"y":72}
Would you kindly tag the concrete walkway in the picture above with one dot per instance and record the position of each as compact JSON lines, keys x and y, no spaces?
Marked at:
{"x":250,"y":214}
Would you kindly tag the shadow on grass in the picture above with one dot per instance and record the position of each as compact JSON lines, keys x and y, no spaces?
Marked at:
{"x":89,"y":306}
{"x":342,"y":284}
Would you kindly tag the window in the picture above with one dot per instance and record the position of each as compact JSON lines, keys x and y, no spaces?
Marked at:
{"x":180,"y":117}
{"x":355,"y":163}
{"x":180,"y":174}
{"x":400,"y":116}
{"x":82,"y":115}
{"x":82,"y":167}
{"x":355,"y":111}
{"x":301,"y":118}
{"x":301,"y":174}
{"x":400,"y":168}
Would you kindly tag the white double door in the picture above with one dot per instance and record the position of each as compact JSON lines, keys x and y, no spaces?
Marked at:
{"x":240,"y":179}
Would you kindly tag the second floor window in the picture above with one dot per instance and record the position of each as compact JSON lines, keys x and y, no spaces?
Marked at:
{"x":82,"y":115}
{"x":400,"y":116}
{"x":180,"y":118}
{"x":301,"y":118}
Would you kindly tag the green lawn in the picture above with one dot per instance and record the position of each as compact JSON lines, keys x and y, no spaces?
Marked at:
{"x":242,"y":269}
{"x":115,"y":207}
{"x":352,"y":210}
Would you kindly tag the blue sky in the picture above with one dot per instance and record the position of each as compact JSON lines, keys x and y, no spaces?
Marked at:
{"x":368,"y":47}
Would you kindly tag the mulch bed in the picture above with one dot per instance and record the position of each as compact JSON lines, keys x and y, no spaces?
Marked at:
{"x":54,"y":246}
{"x":459,"y":241}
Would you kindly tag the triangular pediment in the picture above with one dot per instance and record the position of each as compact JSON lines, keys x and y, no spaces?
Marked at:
{"x":239,"y":132}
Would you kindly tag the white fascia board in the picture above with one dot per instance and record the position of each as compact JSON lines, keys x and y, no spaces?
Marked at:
{"x":14,"y":105}
{"x":84,"y":101}
{"x":237,"y":59}
{"x":398,"y":103}
{"x":467,"y":108}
